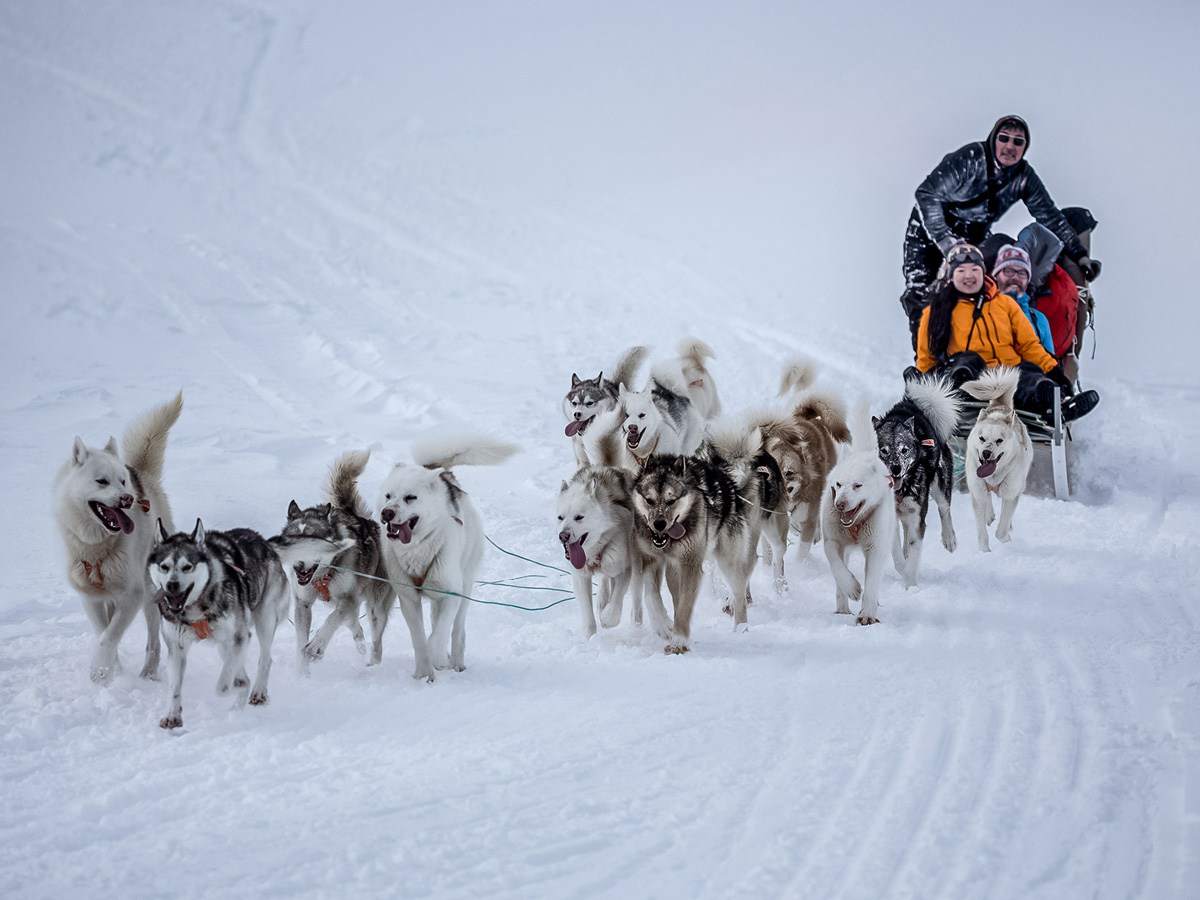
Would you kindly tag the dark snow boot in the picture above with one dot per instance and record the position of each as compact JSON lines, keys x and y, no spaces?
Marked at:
{"x":1079,"y":405}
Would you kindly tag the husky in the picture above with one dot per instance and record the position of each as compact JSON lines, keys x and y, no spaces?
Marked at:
{"x":435,"y":544}
{"x":595,"y":522}
{"x":859,"y":510}
{"x":804,"y":444}
{"x":217,"y":584}
{"x":999,"y":453}
{"x":106,"y":504}
{"x":914,"y":444}
{"x":347,"y":552}
{"x":758,"y":481}
{"x":686,"y":508}
{"x":588,"y":397}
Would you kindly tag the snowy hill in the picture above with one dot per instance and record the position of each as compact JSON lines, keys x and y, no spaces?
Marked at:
{"x":340,"y":226}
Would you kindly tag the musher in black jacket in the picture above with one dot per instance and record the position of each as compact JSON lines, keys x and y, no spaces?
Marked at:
{"x":964,"y":196}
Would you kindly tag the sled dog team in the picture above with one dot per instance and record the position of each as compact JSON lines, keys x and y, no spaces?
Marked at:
{"x":663,"y":484}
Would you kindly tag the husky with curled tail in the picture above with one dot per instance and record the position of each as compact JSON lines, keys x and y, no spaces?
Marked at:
{"x":914,"y":443}
{"x":106,"y":504}
{"x":333,"y":554}
{"x":999,"y":453}
{"x":434,"y":544}
{"x":590,"y":397}
{"x":859,"y":512}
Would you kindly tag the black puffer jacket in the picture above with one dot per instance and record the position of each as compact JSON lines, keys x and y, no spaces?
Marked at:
{"x":968,"y":185}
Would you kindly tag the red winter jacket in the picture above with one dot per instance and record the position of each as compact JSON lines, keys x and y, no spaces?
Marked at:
{"x":1058,"y":300}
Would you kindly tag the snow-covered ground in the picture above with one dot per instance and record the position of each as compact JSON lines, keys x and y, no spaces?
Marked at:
{"x":337,"y":226}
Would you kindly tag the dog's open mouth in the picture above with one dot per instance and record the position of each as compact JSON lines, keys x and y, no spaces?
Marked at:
{"x":402,"y":531}
{"x":575,"y":553}
{"x":674,"y":533}
{"x":172,"y":601}
{"x":847,"y":517}
{"x":633,"y":438}
{"x":987,"y":466}
{"x":303,"y":575}
{"x":578,"y":426}
{"x":111,"y":517}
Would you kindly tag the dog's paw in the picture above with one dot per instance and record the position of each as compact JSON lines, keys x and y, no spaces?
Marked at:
{"x":744,"y":628}
{"x":360,"y":644}
{"x":170,"y":722}
{"x":149,"y":673}
{"x":727,"y":608}
{"x":1003,"y":538}
{"x":674,"y":649}
{"x":781,"y":585}
{"x":103,"y":675}
{"x":949,"y":541}
{"x":314,"y":651}
{"x":866,"y":620}
{"x":258,"y":698}
{"x":610,"y":616}
{"x":984,"y":548}
{"x":424,"y":674}
{"x":991,"y":516}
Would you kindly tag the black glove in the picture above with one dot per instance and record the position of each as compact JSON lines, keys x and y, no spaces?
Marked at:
{"x":1090,"y":267}
{"x":1059,"y":377}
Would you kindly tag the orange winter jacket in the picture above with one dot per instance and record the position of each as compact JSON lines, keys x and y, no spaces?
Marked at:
{"x":1003,"y":334}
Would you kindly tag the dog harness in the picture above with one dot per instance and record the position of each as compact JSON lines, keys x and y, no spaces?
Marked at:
{"x":144,"y":503}
{"x":200,"y":626}
{"x":98,"y":581}
{"x":321,"y":585}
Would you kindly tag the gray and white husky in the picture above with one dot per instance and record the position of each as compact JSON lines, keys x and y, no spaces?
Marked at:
{"x":595,"y":528}
{"x":688,"y":507}
{"x":590,"y":397}
{"x":999,"y":453}
{"x":669,"y":414}
{"x":914,"y":443}
{"x":859,"y":511}
{"x":217,"y":584}
{"x":106,"y":503}
{"x":335,"y":555}
{"x":435,"y":543}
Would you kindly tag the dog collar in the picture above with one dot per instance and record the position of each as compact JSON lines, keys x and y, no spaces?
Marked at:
{"x":88,"y":568}
{"x":595,"y":564}
{"x":991,"y":489}
{"x":854,"y":530}
{"x":928,"y":442}
{"x":641,"y":460}
{"x":144,"y":503}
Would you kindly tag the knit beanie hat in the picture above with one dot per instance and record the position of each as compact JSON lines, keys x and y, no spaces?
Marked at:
{"x":1011,"y":255}
{"x":960,"y":254}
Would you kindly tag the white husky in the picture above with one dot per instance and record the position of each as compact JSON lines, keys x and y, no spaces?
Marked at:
{"x":669,"y":414}
{"x":999,"y":453}
{"x":859,"y":511}
{"x":106,"y":505}
{"x":595,"y":527}
{"x":434,"y":544}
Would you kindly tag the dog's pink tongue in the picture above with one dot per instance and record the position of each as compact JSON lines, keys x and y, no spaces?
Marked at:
{"x":986,"y":468}
{"x":404,"y":532}
{"x":159,"y":596}
{"x":578,"y":557}
{"x":676,"y":531}
{"x":573,"y":428}
{"x":123,"y":520}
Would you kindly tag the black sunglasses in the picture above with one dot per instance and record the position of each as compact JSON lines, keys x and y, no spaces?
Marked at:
{"x":1004,"y":139}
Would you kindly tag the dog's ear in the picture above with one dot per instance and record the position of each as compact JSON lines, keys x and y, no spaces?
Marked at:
{"x":79,"y":451}
{"x":576,"y":381}
{"x":160,"y":533}
{"x":621,"y":392}
{"x":198,"y":533}
{"x":111,"y":446}
{"x":563,"y":489}
{"x":875,"y":420}
{"x":326,"y":510}
{"x":293,"y":510}
{"x":453,"y":489}
{"x":600,"y":378}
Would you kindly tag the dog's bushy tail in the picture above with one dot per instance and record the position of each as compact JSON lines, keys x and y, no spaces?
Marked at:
{"x":862,"y":429}
{"x":628,"y":365}
{"x":695,"y":351}
{"x":461,"y":450}
{"x":827,"y":407}
{"x":998,"y":386}
{"x":938,"y":401}
{"x":144,"y":444}
{"x":798,"y":375}
{"x":692,"y":354}
{"x":342,"y":487}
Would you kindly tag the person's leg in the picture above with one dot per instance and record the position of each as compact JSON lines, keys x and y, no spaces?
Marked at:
{"x":921,"y":261}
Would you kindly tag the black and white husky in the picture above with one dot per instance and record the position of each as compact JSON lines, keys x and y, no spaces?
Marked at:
{"x":590,"y":397}
{"x":688,"y":507}
{"x":999,"y":453}
{"x":435,"y":543}
{"x":334,"y":553}
{"x":859,"y":511}
{"x":914,"y":443}
{"x":106,"y":504}
{"x":218,"y":585}
{"x":595,"y":528}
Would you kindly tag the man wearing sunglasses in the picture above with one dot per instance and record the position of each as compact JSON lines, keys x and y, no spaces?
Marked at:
{"x":964,"y":197}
